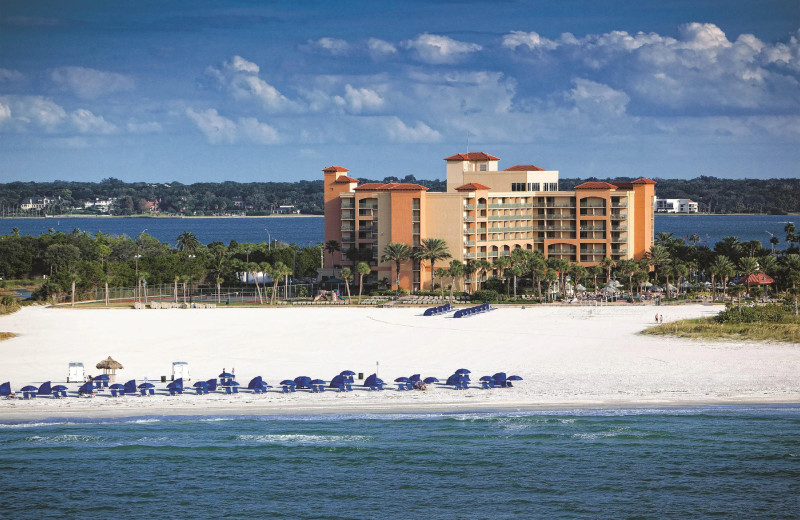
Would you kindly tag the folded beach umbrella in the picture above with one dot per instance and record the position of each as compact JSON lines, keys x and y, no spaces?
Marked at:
{"x":414,"y":378}
{"x":430,"y":380}
{"x":5,"y":389}
{"x":256,"y":382}
{"x":45,"y":389}
{"x":337,"y":381}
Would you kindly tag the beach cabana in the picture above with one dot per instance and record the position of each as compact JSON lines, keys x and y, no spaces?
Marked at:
{"x":130,"y":387}
{"x":117,"y":390}
{"x":59,"y":391}
{"x":302,"y":382}
{"x":373,"y":382}
{"x":147,"y":389}
{"x":45,"y":388}
{"x":288,"y":386}
{"x":201,"y":387}
{"x":231,"y":386}
{"x":110,"y":367}
{"x":317,"y":385}
{"x":87,"y":389}
{"x":5,"y":389}
{"x":175,"y":387}
{"x":29,"y":391}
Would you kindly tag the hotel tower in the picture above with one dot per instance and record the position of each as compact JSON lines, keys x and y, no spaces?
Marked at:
{"x":485,"y":214}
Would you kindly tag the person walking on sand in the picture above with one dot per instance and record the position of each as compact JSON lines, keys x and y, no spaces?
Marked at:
{"x":661,"y":318}
{"x":656,"y":317}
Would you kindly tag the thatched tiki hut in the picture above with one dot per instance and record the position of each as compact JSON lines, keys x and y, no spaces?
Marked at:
{"x":110,"y":368}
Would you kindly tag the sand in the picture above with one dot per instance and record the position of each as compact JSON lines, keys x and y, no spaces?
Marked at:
{"x":569,"y":357}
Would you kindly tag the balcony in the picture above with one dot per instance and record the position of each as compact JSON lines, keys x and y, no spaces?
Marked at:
{"x":619,"y":216}
{"x":619,"y":204}
{"x":619,"y":251}
{"x":469,"y":242}
{"x":369,"y":205}
{"x":561,"y":252}
{"x":593,"y":228}
{"x":348,"y":227}
{"x":619,"y":228}
{"x":592,"y":205}
{"x":557,"y":216}
{"x":510,"y":229}
{"x":593,"y":251}
{"x":348,"y":215}
{"x":553,"y":228}
{"x":469,"y":207}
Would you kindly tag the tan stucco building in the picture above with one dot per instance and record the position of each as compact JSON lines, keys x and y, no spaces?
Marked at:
{"x":486,"y":213}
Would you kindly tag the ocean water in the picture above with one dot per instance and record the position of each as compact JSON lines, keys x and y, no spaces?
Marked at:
{"x":305,"y":230}
{"x":714,"y":462}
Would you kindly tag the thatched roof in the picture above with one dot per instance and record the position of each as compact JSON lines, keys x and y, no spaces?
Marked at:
{"x":110,"y":364}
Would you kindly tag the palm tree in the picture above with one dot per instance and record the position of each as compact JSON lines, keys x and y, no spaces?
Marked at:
{"x":658,"y":257}
{"x":347,"y":276}
{"x":187,"y":242}
{"x":723,"y":268}
{"x":627,"y":267}
{"x":469,"y":270}
{"x":578,"y":273}
{"x":537,"y":267}
{"x":362,"y":269}
{"x":550,"y":276}
{"x":441,"y":273}
{"x":608,"y":264}
{"x":456,"y":270}
{"x":501,"y":264}
{"x":433,"y":249}
{"x":748,"y":266}
{"x":681,"y":271}
{"x":736,"y":292}
{"x":253,"y":268}
{"x":519,"y":265}
{"x":792,"y":265}
{"x":481,"y":267}
{"x":560,"y":266}
{"x":694,"y":239}
{"x":276,"y":272}
{"x":332,"y":246}
{"x":595,"y":271}
{"x":396,"y":252}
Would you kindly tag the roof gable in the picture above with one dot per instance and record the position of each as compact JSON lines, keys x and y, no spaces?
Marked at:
{"x":643,"y":181}
{"x":472,"y":156}
{"x":472,"y":186}
{"x":524,"y":168}
{"x":335,"y":169}
{"x":345,"y":179}
{"x":595,"y":185}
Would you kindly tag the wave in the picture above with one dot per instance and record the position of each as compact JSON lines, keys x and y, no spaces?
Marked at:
{"x":304,"y":439}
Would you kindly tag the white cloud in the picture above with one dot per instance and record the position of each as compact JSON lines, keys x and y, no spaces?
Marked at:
{"x":150,"y":127}
{"x":240,"y":79}
{"x":221,"y":130}
{"x":327,"y":45}
{"x":530,"y":40}
{"x":5,"y":113}
{"x":380,"y":48}
{"x":35,"y":111}
{"x":86,"y":122}
{"x":90,"y":83}
{"x":598,"y":99}
{"x":436,"y":49}
{"x":10,"y":76}
{"x":398,"y":131}
{"x":358,"y":100}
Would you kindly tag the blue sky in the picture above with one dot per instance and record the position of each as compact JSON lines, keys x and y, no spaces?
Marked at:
{"x":263,"y":91}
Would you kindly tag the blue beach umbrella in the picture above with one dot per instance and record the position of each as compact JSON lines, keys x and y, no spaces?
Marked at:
{"x":430,"y":380}
{"x":225,"y":375}
{"x":317,"y":382}
{"x":59,"y":388}
{"x":337,"y":381}
{"x":463,"y":371}
{"x":347,"y":373}
{"x":256,"y":382}
{"x":117,"y":386}
{"x":5,"y":389}
{"x":29,"y":388}
{"x":287,"y":382}
{"x":414,"y":378}
{"x":45,"y":389}
{"x":486,"y":378}
{"x":302,"y":381}
{"x":372,"y":380}
{"x":146,"y":386}
{"x":201,"y":384}
{"x":401,"y":380}
{"x":514,"y":378}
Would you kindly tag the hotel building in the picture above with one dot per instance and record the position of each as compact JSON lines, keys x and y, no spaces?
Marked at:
{"x":485,"y":214}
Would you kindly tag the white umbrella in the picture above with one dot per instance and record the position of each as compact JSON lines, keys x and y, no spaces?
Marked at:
{"x":647,"y":285}
{"x":656,"y":288}
{"x":580,"y":288}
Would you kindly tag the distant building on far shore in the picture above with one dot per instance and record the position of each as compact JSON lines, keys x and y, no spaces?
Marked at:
{"x":675,"y":206}
{"x":37,"y":203}
{"x":286,"y":210}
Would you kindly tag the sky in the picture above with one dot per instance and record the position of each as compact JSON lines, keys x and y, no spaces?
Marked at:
{"x":255,"y":91}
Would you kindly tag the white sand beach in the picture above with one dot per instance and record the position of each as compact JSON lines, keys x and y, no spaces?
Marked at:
{"x":569,"y":356}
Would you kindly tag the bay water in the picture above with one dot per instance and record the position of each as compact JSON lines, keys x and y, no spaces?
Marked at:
{"x":305,"y":231}
{"x":708,"y":462}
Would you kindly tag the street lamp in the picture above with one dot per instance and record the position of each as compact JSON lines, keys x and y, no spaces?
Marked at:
{"x":136,"y":291}
{"x":191,"y":277}
{"x":269,"y":245}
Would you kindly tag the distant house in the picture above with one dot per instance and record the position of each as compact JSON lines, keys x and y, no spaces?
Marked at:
{"x":286,"y":210}
{"x":102,"y":205}
{"x":36,"y":203}
{"x":238,"y":202}
{"x":675,"y":206}
{"x":151,"y":206}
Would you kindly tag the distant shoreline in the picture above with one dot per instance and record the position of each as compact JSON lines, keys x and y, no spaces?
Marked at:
{"x":161,"y":217}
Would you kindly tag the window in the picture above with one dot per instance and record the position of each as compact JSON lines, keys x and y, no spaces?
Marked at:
{"x":517,"y":186}
{"x":483,"y":167}
{"x":534,"y":186}
{"x":553,"y":186}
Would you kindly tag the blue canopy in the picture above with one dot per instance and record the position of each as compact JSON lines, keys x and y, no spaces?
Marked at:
{"x":29,"y":388}
{"x":256,"y":382}
{"x":177,"y":384}
{"x":59,"y":388}
{"x":147,"y":385}
{"x":463,"y":371}
{"x":414,"y":378}
{"x":5,"y":389}
{"x":225,"y":375}
{"x":86,"y":388}
{"x":212,"y":384}
{"x":456,"y":378}
{"x":500,"y":377}
{"x":347,"y":373}
{"x":101,"y":377}
{"x":115,"y":386}
{"x":372,"y":380}
{"x":487,"y":378}
{"x":401,"y":380}
{"x":288,"y":382}
{"x":45,"y":389}
{"x":317,"y":382}
{"x":200,"y":384}
{"x":514,"y":378}
{"x":130,"y":387}
{"x":337,"y":381}
{"x":429,"y":380}
{"x":302,"y":381}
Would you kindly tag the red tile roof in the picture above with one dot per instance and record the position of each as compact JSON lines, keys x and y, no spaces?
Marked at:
{"x":392,"y":186}
{"x":644,"y":181}
{"x":472,"y":186}
{"x":524,"y":168}
{"x":757,"y":279}
{"x":345,"y":178}
{"x":335,"y":169}
{"x":595,"y":185}
{"x":623,"y":185}
{"x":472,"y":156}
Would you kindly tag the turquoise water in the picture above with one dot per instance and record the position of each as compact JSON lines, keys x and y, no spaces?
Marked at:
{"x":302,"y":230}
{"x":718,"y":462}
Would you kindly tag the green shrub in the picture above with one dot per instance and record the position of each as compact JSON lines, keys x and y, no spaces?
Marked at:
{"x":773,"y":313}
{"x":485,"y":295}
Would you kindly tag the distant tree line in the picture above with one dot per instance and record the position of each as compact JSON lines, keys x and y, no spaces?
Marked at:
{"x":713,"y":195}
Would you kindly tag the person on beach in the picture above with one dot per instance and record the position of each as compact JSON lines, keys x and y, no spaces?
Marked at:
{"x":656,"y":317}
{"x":661,"y":318}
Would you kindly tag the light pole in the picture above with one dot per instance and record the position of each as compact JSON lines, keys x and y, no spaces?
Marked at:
{"x":136,"y":291}
{"x":269,"y":245}
{"x":191,"y":277}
